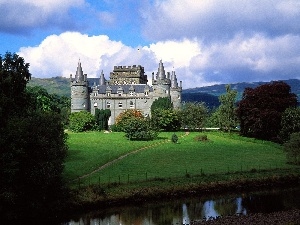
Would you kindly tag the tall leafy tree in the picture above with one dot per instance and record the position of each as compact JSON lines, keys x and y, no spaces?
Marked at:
{"x":226,"y":113}
{"x":261,"y":108}
{"x":165,"y":119}
{"x":161,"y":103}
{"x":32,"y":146}
{"x":290,"y":123}
{"x":193,"y":115}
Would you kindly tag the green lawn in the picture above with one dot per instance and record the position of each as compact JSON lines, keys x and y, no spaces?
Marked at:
{"x":222,"y":153}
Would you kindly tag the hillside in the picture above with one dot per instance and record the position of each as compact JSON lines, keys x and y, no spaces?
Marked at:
{"x":209,"y":94}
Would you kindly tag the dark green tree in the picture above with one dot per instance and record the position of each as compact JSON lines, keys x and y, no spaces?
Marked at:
{"x":162,"y":103}
{"x":261,"y":108}
{"x":42,"y":100}
{"x":193,"y":115}
{"x":102,"y":117}
{"x":32,"y":147}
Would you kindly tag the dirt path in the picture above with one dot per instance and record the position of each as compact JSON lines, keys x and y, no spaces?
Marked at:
{"x":123,"y":156}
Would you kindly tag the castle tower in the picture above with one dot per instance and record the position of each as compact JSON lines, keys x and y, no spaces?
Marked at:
{"x":161,"y":86}
{"x":102,"y":79}
{"x":175,"y":91}
{"x":80,"y":100}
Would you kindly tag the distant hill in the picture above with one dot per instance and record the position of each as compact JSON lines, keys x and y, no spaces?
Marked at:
{"x":219,"y":89}
{"x":208,"y":94}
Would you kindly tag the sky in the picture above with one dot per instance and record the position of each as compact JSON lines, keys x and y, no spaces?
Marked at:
{"x":205,"y":42}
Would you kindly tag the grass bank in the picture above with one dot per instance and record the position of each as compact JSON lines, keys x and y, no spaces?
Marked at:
{"x":160,"y":167}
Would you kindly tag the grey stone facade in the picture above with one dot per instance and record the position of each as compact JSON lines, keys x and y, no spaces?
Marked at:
{"x":126,"y":89}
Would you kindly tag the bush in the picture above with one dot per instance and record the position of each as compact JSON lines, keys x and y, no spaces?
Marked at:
{"x":292,"y":149}
{"x":174,"y":138}
{"x":202,"y":137}
{"x":139,"y":129}
{"x":125,"y":117}
{"x":82,"y":121}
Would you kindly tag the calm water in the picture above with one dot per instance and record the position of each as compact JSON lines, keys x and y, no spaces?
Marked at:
{"x":182,"y":211}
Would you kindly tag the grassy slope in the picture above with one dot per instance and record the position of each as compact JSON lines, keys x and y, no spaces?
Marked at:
{"x":222,"y":153}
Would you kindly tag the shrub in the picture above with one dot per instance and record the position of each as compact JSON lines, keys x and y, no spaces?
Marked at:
{"x":139,"y":129}
{"x":174,"y":138}
{"x":292,"y":148}
{"x":124,"y":118}
{"x":82,"y":121}
{"x":201,"y":137}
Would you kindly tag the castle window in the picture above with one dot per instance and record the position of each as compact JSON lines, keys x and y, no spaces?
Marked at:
{"x":131,"y":104}
{"x":95,"y":104}
{"x":146,"y":93}
{"x":108,"y":105}
{"x":108,"y":94}
{"x":131,"y":93}
{"x":120,"y":105}
{"x":95,"y":94}
{"x":119,"y":93}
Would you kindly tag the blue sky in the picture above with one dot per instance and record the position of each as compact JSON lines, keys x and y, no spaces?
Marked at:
{"x":205,"y":41}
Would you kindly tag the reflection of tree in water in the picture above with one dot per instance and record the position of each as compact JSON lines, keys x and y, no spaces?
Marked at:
{"x":166,"y":214}
{"x":263,"y":203}
{"x":226,"y":206}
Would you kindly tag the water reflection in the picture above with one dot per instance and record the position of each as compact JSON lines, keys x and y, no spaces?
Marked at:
{"x":186,"y":210}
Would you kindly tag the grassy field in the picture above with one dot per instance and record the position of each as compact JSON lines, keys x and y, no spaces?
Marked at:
{"x":222,"y":153}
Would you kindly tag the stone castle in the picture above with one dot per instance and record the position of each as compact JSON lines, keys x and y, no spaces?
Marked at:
{"x":126,"y":89}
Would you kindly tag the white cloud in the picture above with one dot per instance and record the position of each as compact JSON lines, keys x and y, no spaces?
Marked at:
{"x":255,"y":58}
{"x":213,"y":20}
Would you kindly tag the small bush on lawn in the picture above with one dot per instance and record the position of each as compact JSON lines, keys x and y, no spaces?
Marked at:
{"x":174,"y":138}
{"x":201,"y":137}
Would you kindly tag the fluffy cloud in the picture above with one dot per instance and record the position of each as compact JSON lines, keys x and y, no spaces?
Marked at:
{"x":212,"y":20}
{"x":24,"y":15}
{"x":58,"y":55}
{"x":255,"y":58}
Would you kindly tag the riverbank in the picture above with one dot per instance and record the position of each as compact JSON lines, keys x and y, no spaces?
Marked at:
{"x":98,"y":196}
{"x":291,"y":217}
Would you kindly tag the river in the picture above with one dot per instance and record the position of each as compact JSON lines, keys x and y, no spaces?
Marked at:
{"x":185,"y":210}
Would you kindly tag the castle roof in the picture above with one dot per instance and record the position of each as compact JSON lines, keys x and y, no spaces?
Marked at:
{"x":138,"y":88}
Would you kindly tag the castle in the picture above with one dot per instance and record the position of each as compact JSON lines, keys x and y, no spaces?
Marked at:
{"x":126,"y":89}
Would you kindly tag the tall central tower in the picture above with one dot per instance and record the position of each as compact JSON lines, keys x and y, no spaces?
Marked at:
{"x":79,"y":91}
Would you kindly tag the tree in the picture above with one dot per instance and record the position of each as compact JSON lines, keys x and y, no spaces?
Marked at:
{"x":42,"y":100}
{"x":82,"y":121}
{"x":193,"y":115}
{"x":138,"y":128}
{"x":226,"y":114}
{"x":161,"y":103}
{"x":261,"y":108}
{"x":32,"y":146}
{"x":101,"y":118}
{"x":165,"y":119}
{"x":290,"y":123}
{"x":292,"y":148}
